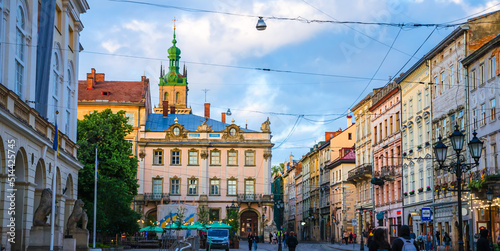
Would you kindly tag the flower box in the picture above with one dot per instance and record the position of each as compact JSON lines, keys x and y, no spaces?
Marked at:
{"x":411,"y":151}
{"x":420,"y":189}
{"x":405,"y":194}
{"x":419,"y":147}
{"x":412,"y":192}
{"x":437,"y":187}
{"x":428,"y":188}
{"x":427,"y":143}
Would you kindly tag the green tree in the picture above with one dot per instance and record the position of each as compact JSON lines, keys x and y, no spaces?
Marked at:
{"x":117,"y":184}
{"x":203,"y":215}
{"x":233,"y":220}
{"x":276,"y":169}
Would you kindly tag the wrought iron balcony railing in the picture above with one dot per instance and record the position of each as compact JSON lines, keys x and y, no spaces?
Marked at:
{"x":361,"y":171}
{"x":157,"y":196}
{"x":249,"y":197}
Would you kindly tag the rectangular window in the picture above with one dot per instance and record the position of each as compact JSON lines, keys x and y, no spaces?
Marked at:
{"x":459,"y":71}
{"x":419,"y":102}
{"x":493,"y":111}
{"x":420,"y":136}
{"x":68,"y":121}
{"x":473,"y":82}
{"x":249,"y":158}
{"x":375,"y":138}
{"x":441,"y":84}
{"x":58,"y":22}
{"x":481,"y":74}
{"x":249,"y":186}
{"x":452,"y":75}
{"x":232,"y":158}
{"x":214,"y":187}
{"x":349,"y":136}
{"x":429,"y":176}
{"x":445,"y":126}
{"x":130,"y":116}
{"x":157,"y":187}
{"x":404,"y":112}
{"x":427,"y":131}
{"x":421,"y":178}
{"x":412,"y":180}
{"x":19,"y":79}
{"x":174,"y":186}
{"x":158,"y":157}
{"x":474,"y":117}
{"x":391,"y":126}
{"x":495,"y":157}
{"x":436,"y":84}
{"x":483,"y":115}
{"x":461,"y":121}
{"x":397,"y":121}
{"x":492,"y":68}
{"x":385,"y":128}
{"x":427,"y":98}
{"x":215,"y":158}
{"x":232,"y":187}
{"x":176,"y":157}
{"x":192,"y":186}
{"x":71,"y":35}
{"x":193,"y":158}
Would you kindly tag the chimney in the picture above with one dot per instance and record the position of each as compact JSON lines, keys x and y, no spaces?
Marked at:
{"x":99,"y":77}
{"x":223,"y":117}
{"x":207,"y":110}
{"x":91,"y":79}
{"x":143,"y":78}
{"x":349,"y":118}
{"x":172,"y":110}
{"x":165,"y":108}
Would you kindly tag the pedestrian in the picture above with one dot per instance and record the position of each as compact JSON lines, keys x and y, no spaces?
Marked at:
{"x":498,"y":239}
{"x":421,"y":241}
{"x":428,"y":241}
{"x":438,"y":240}
{"x":447,"y":242}
{"x":285,"y":236}
{"x":370,"y":238}
{"x":404,"y":242}
{"x":350,"y":237}
{"x":292,"y":241}
{"x":270,"y":237}
{"x":412,"y":235}
{"x":275,"y":238}
{"x":354,"y":237}
{"x":255,"y":241}
{"x":250,"y":241}
{"x":483,"y":243}
{"x":379,"y":242}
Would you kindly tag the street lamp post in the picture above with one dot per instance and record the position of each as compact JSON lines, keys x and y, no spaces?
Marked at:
{"x":489,"y":197}
{"x":475,"y":148}
{"x":280,"y":205}
{"x":361,"y":244}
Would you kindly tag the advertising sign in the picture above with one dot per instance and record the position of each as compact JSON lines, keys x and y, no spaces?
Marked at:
{"x":426,"y":214}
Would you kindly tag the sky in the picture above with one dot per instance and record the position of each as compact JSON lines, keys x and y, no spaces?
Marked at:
{"x":317,"y":70}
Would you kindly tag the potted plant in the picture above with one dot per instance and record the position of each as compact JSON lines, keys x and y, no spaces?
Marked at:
{"x":453,"y":184}
{"x":411,"y":151}
{"x":428,"y":188}
{"x":444,"y":186}
{"x":419,"y":147}
{"x":427,"y":143}
{"x":412,"y":192}
{"x":404,"y":154}
{"x":405,"y":194}
{"x":420,"y":189}
{"x":436,"y":187}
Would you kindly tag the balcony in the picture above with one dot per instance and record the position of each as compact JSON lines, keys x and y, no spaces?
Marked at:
{"x":359,"y":173}
{"x":157,"y":197}
{"x":390,"y":171}
{"x":254,"y":198}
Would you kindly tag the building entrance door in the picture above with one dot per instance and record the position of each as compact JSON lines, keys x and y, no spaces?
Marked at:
{"x":249,"y":222}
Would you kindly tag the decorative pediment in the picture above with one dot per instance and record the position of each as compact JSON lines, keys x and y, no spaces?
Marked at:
{"x":233,"y":133}
{"x":176,"y":131}
{"x":204,"y":127}
{"x":426,"y":114}
{"x":418,"y":119}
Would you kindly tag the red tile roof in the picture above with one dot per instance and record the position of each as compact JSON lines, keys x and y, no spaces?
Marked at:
{"x":119,"y":91}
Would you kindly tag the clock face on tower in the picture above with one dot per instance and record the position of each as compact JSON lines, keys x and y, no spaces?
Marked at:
{"x":177,"y":131}
{"x":232,"y":132}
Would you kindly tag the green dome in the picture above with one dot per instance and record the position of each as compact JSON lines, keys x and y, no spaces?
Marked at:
{"x":174,"y":50}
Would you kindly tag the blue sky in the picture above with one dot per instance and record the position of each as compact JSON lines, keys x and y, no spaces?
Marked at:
{"x":207,"y":39}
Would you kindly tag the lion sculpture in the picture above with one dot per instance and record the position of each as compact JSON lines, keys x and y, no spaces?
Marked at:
{"x":44,"y":209}
{"x":78,"y":214}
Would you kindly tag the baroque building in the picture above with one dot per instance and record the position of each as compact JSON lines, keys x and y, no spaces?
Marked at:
{"x":191,"y":159}
{"x":31,"y":96}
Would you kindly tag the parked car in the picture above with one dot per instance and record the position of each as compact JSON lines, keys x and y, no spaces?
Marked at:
{"x":218,"y":239}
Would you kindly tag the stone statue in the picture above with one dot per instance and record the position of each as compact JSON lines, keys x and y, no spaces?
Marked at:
{"x":266,"y":126}
{"x":44,"y":209}
{"x":78,"y":214}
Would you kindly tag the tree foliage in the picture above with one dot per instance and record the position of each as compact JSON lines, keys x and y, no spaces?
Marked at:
{"x":233,"y":220}
{"x":276,"y":169}
{"x":117,"y":183}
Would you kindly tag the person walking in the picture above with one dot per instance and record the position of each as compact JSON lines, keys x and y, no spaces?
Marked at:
{"x":270,"y":237}
{"x":292,"y":241}
{"x":350,"y":237}
{"x":438,"y":240}
{"x":428,"y":241}
{"x":483,"y":243}
{"x":379,"y":242}
{"x":354,"y":237}
{"x":255,"y":241}
{"x":404,"y":242}
{"x":250,"y":241}
{"x":421,"y":241}
{"x":447,"y":242}
{"x":275,"y":238}
{"x":285,"y":236}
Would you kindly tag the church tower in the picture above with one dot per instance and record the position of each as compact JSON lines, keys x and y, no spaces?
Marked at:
{"x":173,"y":85}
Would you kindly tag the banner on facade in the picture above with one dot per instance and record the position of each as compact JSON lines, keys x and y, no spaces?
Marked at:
{"x":168,"y":213}
{"x":354,"y":222}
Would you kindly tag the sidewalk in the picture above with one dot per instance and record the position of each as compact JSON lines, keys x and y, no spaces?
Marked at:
{"x":348,"y":247}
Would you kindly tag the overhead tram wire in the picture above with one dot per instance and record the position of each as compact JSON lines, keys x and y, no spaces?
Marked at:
{"x":291,"y":132}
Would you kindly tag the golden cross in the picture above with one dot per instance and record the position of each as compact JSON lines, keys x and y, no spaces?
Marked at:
{"x":174,"y":21}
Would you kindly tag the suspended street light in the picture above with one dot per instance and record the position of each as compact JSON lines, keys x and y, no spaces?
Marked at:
{"x":261,"y":25}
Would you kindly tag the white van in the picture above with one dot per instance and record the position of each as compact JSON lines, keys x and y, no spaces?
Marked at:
{"x":218,"y":239}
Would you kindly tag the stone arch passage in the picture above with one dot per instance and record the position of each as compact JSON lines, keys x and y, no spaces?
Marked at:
{"x":249,"y":223}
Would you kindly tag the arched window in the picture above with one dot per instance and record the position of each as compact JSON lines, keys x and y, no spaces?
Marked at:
{"x":165,"y":96}
{"x":20,"y":49}
{"x":55,"y":82}
{"x":177,"y":96}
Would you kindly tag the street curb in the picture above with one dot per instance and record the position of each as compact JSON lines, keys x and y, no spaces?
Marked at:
{"x":344,"y":248}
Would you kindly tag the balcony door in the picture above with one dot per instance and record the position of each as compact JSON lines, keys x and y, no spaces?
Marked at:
{"x":249,"y":190}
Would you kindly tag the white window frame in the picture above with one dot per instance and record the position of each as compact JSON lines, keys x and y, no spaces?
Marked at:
{"x":20,"y":53}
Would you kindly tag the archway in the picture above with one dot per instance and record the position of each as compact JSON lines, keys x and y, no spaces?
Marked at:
{"x":40,"y":182}
{"x":21,"y":165}
{"x":249,"y":223}
{"x":69,"y":200}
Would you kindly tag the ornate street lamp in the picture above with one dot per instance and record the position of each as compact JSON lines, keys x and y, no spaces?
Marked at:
{"x":475,"y":148}
{"x":261,"y":25}
{"x":361,"y":211}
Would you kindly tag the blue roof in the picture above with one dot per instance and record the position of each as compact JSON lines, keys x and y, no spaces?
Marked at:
{"x":157,"y":123}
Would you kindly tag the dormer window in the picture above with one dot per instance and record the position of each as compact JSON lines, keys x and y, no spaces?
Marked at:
{"x":105,"y":93}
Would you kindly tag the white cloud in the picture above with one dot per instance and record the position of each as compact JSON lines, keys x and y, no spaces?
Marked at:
{"x":111,"y":46}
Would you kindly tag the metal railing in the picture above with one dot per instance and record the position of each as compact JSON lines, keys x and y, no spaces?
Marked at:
{"x":249,"y":197}
{"x":156,"y":196}
{"x":365,"y":169}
